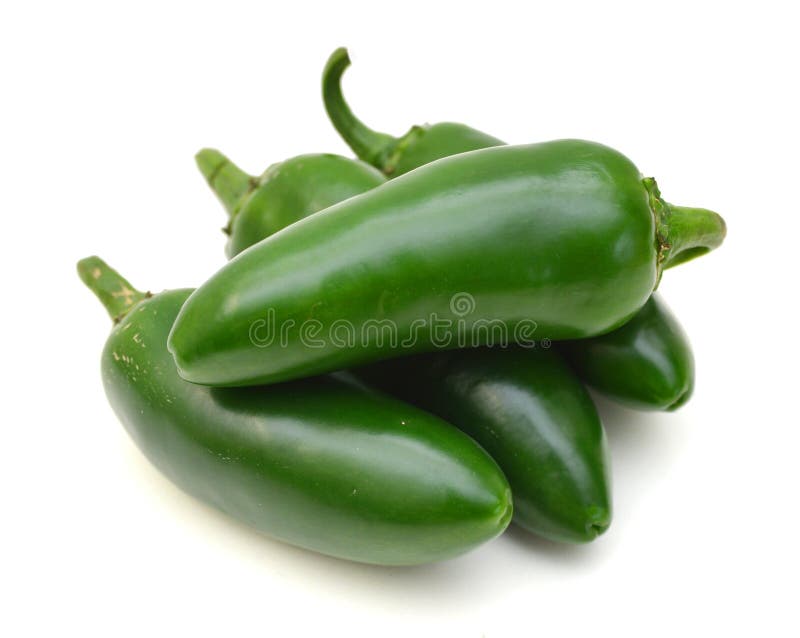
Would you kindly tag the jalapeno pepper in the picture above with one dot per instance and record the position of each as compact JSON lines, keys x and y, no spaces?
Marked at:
{"x":284,"y":193}
{"x":534,"y":417}
{"x":526,"y":408}
{"x":322,"y":463}
{"x":648,"y":365}
{"x":394,"y":156}
{"x":564,"y":239}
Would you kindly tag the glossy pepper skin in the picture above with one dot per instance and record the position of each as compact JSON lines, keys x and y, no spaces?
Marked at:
{"x":394,"y":156}
{"x":324,"y":463}
{"x":534,"y":417}
{"x":565,"y":237}
{"x":284,"y":193}
{"x":649,"y":365}
{"x":646,"y":364}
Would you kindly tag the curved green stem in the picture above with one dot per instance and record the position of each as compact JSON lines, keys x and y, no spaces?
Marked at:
{"x":228,"y":181}
{"x":682,"y":233}
{"x":368,"y":145}
{"x":111,"y":288}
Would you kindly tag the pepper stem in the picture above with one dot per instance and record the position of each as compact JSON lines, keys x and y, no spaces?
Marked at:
{"x":692,"y":232}
{"x":368,"y":145}
{"x":228,"y":181}
{"x":113,"y":290}
{"x":682,"y":233}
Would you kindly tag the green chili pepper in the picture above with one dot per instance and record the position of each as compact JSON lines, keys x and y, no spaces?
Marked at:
{"x":285,"y":193}
{"x":562,"y":238}
{"x":649,"y":364}
{"x":526,"y":408}
{"x":534,"y":417}
{"x":323,"y":463}
{"x":394,"y":156}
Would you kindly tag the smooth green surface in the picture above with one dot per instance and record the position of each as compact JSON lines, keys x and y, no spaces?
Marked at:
{"x":534,"y":417}
{"x":425,"y":144}
{"x":561,"y":234}
{"x":647,"y":363}
{"x":286,"y":192}
{"x":394,"y":156}
{"x":323,"y":463}
{"x":531,"y":413}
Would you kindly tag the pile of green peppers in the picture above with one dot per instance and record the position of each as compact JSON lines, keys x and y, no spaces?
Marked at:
{"x":394,"y":363}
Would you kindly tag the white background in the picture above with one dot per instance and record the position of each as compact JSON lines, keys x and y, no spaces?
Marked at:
{"x":103,"y":106}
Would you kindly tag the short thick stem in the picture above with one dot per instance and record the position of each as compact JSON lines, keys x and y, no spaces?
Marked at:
{"x":692,"y":232}
{"x":682,"y":233}
{"x":228,"y":181}
{"x":111,"y":288}
{"x":368,"y":145}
